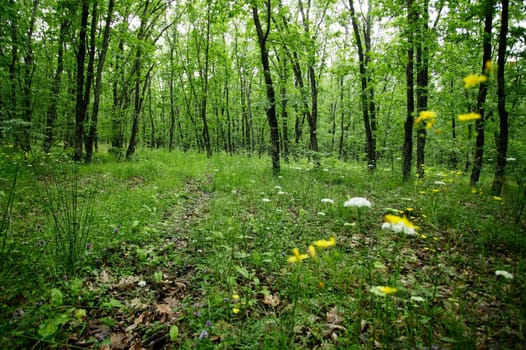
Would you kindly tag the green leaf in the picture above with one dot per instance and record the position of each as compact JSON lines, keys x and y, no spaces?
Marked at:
{"x":56,"y":297}
{"x":50,"y":326}
{"x":243,"y":272}
{"x":158,"y":276}
{"x":174,"y":332}
{"x":113,"y":303}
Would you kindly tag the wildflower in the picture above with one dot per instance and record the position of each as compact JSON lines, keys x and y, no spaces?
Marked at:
{"x":468,"y":117}
{"x":320,"y":213}
{"x":235,"y":310}
{"x":504,"y":274}
{"x":322,"y":243}
{"x":423,"y":236}
{"x":473,"y":190}
{"x":266,"y":200}
{"x":204,"y":334}
{"x":417,"y":299}
{"x":208,"y":323}
{"x":297,"y":257}
{"x":442,"y":183}
{"x":487,"y":66}
{"x":435,"y":190}
{"x":281,"y":192}
{"x":312,"y":251}
{"x":497,"y":198}
{"x":357,"y":202}
{"x":399,"y":224}
{"x":473,"y":80}
{"x":383,"y":291}
{"x":277,"y":187}
{"x":141,"y":283}
{"x":511,"y":159}
{"x":428,"y":116}
{"x":327,"y":200}
{"x":235,"y":297}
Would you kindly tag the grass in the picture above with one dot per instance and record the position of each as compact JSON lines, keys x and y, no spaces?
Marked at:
{"x":189,"y":252}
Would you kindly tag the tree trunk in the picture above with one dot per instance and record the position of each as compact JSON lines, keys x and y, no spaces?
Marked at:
{"x":271,"y":95}
{"x":92,"y":133}
{"x":502,"y":145}
{"x":80,"y":108}
{"x":422,"y":79}
{"x":51,"y":115}
{"x":482,"y":93}
{"x":407,"y":151}
{"x":365,"y":94}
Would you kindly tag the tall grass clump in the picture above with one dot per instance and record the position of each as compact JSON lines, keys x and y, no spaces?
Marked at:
{"x":70,"y":210}
{"x":5,"y":219}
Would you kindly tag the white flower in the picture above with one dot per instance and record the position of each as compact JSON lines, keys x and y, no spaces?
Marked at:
{"x":320,"y":213}
{"x":266,"y":200}
{"x":277,"y":187}
{"x":511,"y":159}
{"x":141,"y":283}
{"x":504,"y":274}
{"x":327,"y":200}
{"x":326,"y":170}
{"x":418,"y":299}
{"x":281,"y":192}
{"x":442,"y":183}
{"x":357,"y":202}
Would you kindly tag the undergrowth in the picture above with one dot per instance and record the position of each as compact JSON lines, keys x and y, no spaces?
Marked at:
{"x":185,"y":251}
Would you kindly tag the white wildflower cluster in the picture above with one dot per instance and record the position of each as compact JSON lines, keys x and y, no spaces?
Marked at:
{"x":357,"y":202}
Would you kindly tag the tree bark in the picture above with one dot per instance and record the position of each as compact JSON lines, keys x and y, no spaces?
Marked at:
{"x":271,"y":95}
{"x":92,"y":133}
{"x":366,"y":95}
{"x":422,"y":80}
{"x":407,"y":150}
{"x":502,"y":145}
{"x":482,"y":93}
{"x":80,"y":108}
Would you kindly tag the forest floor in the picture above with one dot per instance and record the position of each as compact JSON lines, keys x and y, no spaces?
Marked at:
{"x":176,"y":250}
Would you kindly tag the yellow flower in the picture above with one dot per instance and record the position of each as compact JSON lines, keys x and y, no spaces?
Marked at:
{"x":312,"y":251}
{"x":235,"y":297}
{"x":473,"y":80}
{"x":473,"y":190}
{"x":322,"y":243}
{"x":383,"y":290}
{"x":429,"y":116}
{"x":468,"y":116}
{"x":423,"y":236}
{"x":235,"y":310}
{"x":497,"y":198}
{"x":297,"y":257}
{"x":487,"y":66}
{"x":399,"y":224}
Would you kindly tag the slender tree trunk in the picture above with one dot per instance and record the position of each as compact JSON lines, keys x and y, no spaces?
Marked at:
{"x":365,"y":94}
{"x":502,"y":145}
{"x":51,"y":115}
{"x":342,"y":119}
{"x":24,"y":135}
{"x":80,"y":109}
{"x":407,"y":150}
{"x":271,"y":95}
{"x":422,"y":79}
{"x":92,"y":133}
{"x":482,"y":93}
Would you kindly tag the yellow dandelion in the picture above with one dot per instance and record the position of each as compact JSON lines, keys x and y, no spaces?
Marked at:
{"x":297,"y":257}
{"x":428,"y":116}
{"x":322,"y":243}
{"x":468,"y":116}
{"x":473,"y":80}
{"x":497,"y":198}
{"x":383,"y":290}
{"x":312,"y":251}
{"x":423,"y":236}
{"x":235,"y":297}
{"x":235,"y":310}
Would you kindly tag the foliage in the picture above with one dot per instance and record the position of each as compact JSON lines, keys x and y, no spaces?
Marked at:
{"x":193,"y":252}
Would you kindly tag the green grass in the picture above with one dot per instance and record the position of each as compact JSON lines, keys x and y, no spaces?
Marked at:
{"x":181,"y":242}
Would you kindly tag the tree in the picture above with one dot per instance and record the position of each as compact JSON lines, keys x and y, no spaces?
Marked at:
{"x":271,"y":95}
{"x":502,"y":141}
{"x":367,"y":88}
{"x":407,"y":150}
{"x":488,"y":9}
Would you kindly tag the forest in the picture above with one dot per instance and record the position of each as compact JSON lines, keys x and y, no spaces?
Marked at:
{"x":262,"y":174}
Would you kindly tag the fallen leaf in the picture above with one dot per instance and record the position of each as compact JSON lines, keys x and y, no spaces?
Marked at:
{"x":118,"y":341}
{"x":271,"y":300}
{"x":164,"y":309}
{"x":333,"y":316}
